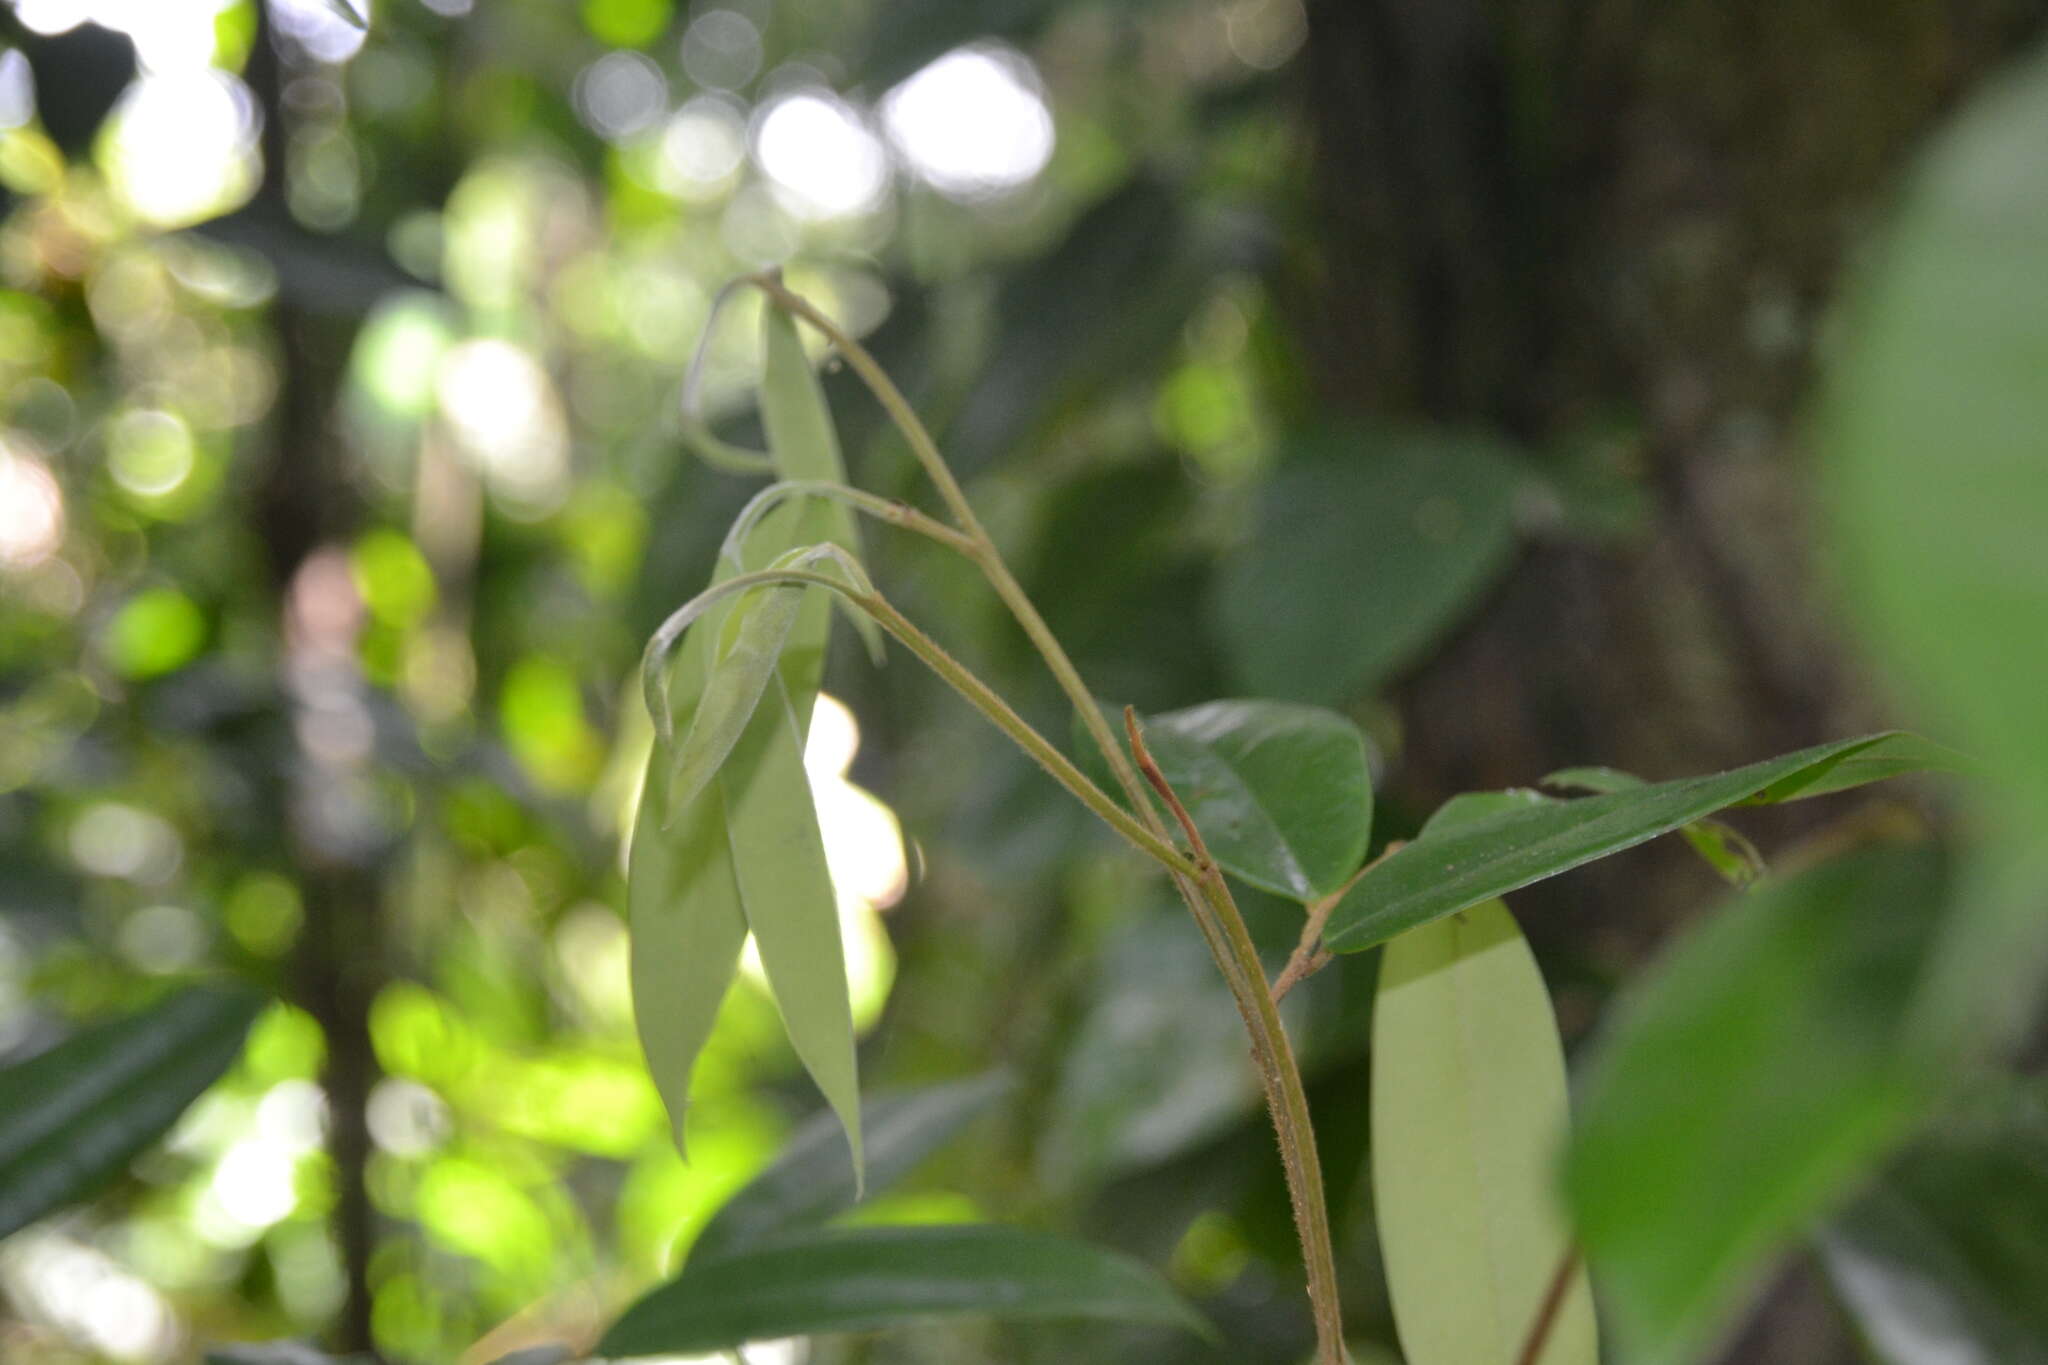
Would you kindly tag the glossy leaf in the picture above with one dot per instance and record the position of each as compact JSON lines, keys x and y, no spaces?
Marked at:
{"x":804,"y":444}
{"x":73,"y":1117}
{"x":812,"y":1180}
{"x":1745,"y":1087}
{"x":1721,"y":846}
{"x":1468,"y":1115}
{"x":1943,"y":1261}
{"x":861,"y":1279}
{"x":1931,"y":429}
{"x":1281,"y":792}
{"x":1445,"y":872}
{"x":1369,"y":544}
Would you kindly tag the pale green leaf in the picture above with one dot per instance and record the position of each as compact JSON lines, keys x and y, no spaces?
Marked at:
{"x":757,"y":628}
{"x":862,"y":1279}
{"x":1468,"y":1115}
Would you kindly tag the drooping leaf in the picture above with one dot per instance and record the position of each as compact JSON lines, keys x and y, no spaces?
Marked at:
{"x":862,"y":1279}
{"x":1369,"y":544}
{"x":804,"y":444}
{"x":1469,"y":1113}
{"x":812,"y":1180}
{"x":755,"y":631}
{"x":785,"y":888}
{"x":1745,"y":1087}
{"x":1281,"y":792}
{"x":1445,"y":872}
{"x":73,"y":1117}
{"x":1943,"y":1259}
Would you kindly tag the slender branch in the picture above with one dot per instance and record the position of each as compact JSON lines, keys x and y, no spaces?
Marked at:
{"x":1273,"y":1055}
{"x":1547,"y":1311}
{"x":722,"y":454}
{"x":1309,"y":955}
{"x":888,"y":510}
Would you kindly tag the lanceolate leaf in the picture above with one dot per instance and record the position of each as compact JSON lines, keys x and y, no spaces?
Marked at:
{"x":860,"y":1279}
{"x":812,"y":1180}
{"x":1444,"y":872}
{"x":1721,"y":846}
{"x":72,"y":1117}
{"x":804,"y":444}
{"x":1468,"y":1115}
{"x":758,"y":627}
{"x":1745,"y":1087}
{"x":1281,"y":792}
{"x":778,"y":860}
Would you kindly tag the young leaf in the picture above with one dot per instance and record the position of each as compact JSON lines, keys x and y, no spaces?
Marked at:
{"x":72,"y":1117}
{"x":1745,"y":1087}
{"x":804,"y":444}
{"x":1468,"y":1114}
{"x":1441,"y":873}
{"x":1370,"y":544}
{"x":1281,"y":792}
{"x":754,"y":634}
{"x":1943,"y":1259}
{"x":860,"y":1279}
{"x":812,"y":1180}
{"x":778,"y":861}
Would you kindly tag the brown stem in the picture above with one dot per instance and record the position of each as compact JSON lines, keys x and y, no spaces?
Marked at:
{"x":1547,"y":1311}
{"x":1308,"y":956}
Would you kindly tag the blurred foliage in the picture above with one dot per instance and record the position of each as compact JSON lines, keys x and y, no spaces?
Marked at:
{"x":341,"y":482}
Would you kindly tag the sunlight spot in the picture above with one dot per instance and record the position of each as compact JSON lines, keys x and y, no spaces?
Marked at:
{"x":149,"y":452}
{"x":255,"y":1183}
{"x":702,"y":147}
{"x":183,"y":146}
{"x":972,"y":124}
{"x":115,"y":840}
{"x":503,"y":409}
{"x":325,"y":35}
{"x":31,"y":511}
{"x":17,"y":90}
{"x":818,"y":150}
{"x":721,"y":50}
{"x":621,"y":93}
{"x":88,"y":1295}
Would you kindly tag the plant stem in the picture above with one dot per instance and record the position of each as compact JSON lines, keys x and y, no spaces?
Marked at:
{"x":1207,"y":895}
{"x":887,"y":510}
{"x":1309,"y":956}
{"x":1547,"y":1311}
{"x":1278,"y":1071}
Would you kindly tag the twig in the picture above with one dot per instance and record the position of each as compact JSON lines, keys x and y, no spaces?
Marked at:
{"x":1547,"y":1311}
{"x":1309,"y":956}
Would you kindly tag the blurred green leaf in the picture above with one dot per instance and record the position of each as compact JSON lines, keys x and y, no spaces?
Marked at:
{"x":861,"y":1279}
{"x":1931,"y":422}
{"x":1442,"y":872}
{"x":1369,"y":544}
{"x":1743,"y":1088}
{"x":812,"y":1180}
{"x":1943,"y":1261}
{"x":72,"y":1117}
{"x":1281,"y":792}
{"x":1468,"y":1111}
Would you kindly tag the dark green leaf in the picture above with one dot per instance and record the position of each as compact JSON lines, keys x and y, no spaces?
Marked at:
{"x":1745,"y":1087}
{"x":812,"y":1180}
{"x":72,"y":1117}
{"x":1369,"y":544}
{"x":1944,"y":1260}
{"x":860,"y":1279}
{"x":1444,"y":872}
{"x":1468,"y":1111}
{"x":1281,"y":792}
{"x":1723,"y":847}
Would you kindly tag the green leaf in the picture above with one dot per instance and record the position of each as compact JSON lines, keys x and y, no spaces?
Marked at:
{"x":812,"y":1181}
{"x":1444,"y":872}
{"x":1468,"y":1114}
{"x":73,"y":1117}
{"x":778,"y":861}
{"x":1281,"y":792}
{"x":804,"y":444}
{"x":1722,"y":847}
{"x":1745,"y":1086}
{"x":1944,"y":1259}
{"x":860,"y":1279}
{"x":1931,"y":431}
{"x":1369,"y":544}
{"x":754,"y":633}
